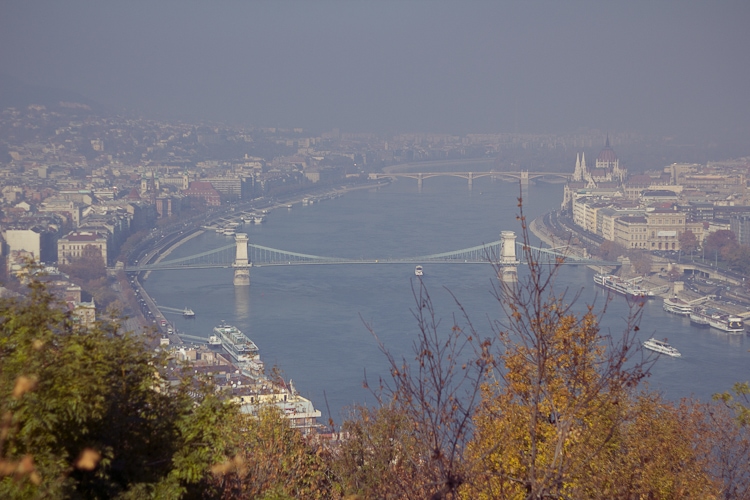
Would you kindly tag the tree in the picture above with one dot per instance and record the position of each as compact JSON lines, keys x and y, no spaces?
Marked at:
{"x":559,"y":416}
{"x":738,"y":257}
{"x":88,"y":267}
{"x":717,"y":242}
{"x":729,"y":420}
{"x":609,"y":250}
{"x":90,"y":415}
{"x":272,"y":460}
{"x":412,"y":445}
{"x":641,"y":261}
{"x":688,"y":241}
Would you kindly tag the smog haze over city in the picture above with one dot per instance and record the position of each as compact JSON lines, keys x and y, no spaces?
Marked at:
{"x":668,"y":68}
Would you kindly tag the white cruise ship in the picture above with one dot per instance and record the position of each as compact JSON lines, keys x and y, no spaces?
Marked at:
{"x":661,"y":347}
{"x":236,"y":343}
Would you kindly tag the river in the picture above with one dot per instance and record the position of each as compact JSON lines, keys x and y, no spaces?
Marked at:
{"x":310,"y":320}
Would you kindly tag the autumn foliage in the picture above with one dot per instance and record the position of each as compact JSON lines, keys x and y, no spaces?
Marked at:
{"x":544,"y":404}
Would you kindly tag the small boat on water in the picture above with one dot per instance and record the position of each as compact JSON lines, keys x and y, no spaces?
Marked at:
{"x":418,"y":271}
{"x":214,"y":340}
{"x":661,"y":347}
{"x":188,"y":313}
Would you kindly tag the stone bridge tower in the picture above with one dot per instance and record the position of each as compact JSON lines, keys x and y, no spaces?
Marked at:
{"x":241,"y":264}
{"x":508,"y":262}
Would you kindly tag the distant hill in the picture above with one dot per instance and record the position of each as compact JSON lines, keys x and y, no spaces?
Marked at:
{"x":15,"y":93}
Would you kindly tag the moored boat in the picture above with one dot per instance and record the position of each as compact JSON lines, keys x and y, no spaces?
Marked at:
{"x":677,"y":306}
{"x":661,"y":347}
{"x":188,"y":313}
{"x":628,"y":288}
{"x":727,"y":323}
{"x":697,"y":318}
{"x":717,"y":319}
{"x":236,"y":343}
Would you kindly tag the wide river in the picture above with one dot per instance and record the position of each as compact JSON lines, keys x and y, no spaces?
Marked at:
{"x":310,"y":320}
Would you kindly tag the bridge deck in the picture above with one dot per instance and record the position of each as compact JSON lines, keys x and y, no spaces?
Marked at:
{"x":259,"y":256}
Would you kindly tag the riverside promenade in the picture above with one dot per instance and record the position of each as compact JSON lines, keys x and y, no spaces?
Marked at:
{"x":539,"y":229}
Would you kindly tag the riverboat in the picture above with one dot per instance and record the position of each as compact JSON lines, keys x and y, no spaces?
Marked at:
{"x":661,"y":347}
{"x":717,"y":319}
{"x":418,"y":271}
{"x":229,"y":231}
{"x":236,"y":343}
{"x":628,"y":288}
{"x":677,"y":306}
{"x":188,"y":313}
{"x":698,"y":318}
{"x":214,"y":340}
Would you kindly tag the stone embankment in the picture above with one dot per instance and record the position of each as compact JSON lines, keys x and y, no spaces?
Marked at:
{"x":539,"y":229}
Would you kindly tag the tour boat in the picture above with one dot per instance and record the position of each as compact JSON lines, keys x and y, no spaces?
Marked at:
{"x":418,"y":271}
{"x":661,"y":347}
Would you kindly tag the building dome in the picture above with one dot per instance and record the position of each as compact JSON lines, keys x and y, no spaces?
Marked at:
{"x":607,"y":154}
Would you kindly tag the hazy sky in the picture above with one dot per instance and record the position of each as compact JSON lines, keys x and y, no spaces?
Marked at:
{"x":663,"y":66}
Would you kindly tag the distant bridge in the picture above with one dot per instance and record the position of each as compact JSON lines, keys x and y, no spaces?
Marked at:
{"x":242,"y":255}
{"x":523,"y":176}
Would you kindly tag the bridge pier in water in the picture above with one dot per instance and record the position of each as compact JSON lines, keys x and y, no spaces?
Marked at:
{"x":471,"y":180}
{"x":508,"y":264}
{"x":241,"y":264}
{"x":419,"y":182}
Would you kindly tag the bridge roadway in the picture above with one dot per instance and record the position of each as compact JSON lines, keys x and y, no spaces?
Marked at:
{"x":523,"y":176}
{"x":260,"y":256}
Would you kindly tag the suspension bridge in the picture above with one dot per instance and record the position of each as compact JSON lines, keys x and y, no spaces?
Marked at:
{"x":523,"y":176}
{"x":241,"y":255}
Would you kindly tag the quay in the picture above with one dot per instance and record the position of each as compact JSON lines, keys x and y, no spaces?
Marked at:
{"x":689,"y":288}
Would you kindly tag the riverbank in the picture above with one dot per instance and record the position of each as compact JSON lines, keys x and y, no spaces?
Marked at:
{"x":539,"y":229}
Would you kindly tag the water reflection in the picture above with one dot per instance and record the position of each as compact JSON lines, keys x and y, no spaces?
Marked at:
{"x":242,"y":303}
